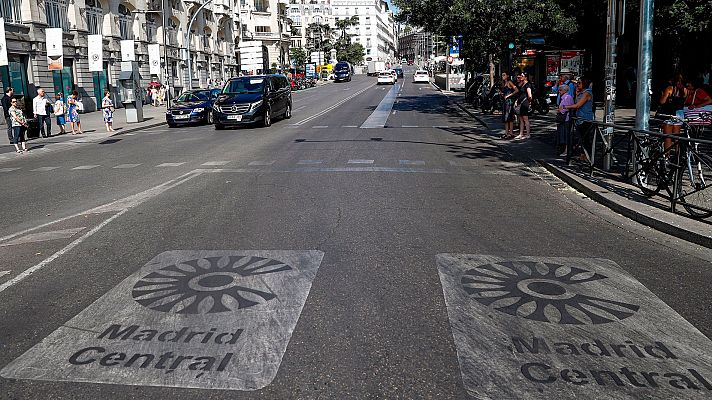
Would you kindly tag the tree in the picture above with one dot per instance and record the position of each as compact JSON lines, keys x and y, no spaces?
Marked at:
{"x":343,"y":24}
{"x":353,"y":53}
{"x":298,"y":56}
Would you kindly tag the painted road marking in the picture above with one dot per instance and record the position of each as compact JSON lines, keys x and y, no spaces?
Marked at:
{"x":43,"y":169}
{"x":44,"y":236}
{"x":410,"y":126}
{"x":215,"y":163}
{"x":320,"y":113}
{"x":3,"y":273}
{"x":299,"y":108}
{"x":380,"y":115}
{"x":256,"y":163}
{"x":8,"y":169}
{"x":360,"y":162}
{"x":411,"y":162}
{"x":319,"y":126}
{"x":309,"y":162}
{"x":568,"y":328}
{"x":126,"y":166}
{"x":349,"y":126}
{"x":193,"y":319}
{"x":170,"y":164}
{"x":81,"y":167}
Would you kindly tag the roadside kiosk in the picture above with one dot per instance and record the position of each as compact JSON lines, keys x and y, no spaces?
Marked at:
{"x":131,"y":91}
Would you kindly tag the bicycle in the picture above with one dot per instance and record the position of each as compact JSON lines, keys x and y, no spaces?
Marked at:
{"x":682,"y":169}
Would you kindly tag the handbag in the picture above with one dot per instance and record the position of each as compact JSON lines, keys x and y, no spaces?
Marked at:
{"x":517,"y":108}
{"x":561,"y":117}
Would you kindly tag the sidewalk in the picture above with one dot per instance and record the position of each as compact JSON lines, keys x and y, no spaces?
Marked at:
{"x":94,"y":131}
{"x":609,"y":191}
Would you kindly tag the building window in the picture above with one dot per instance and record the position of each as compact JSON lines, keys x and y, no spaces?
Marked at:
{"x":172,"y":32}
{"x":151,"y":28}
{"x":262,"y":5}
{"x":125,"y":23}
{"x":11,"y":10}
{"x":95,"y":17}
{"x":57,"y":14}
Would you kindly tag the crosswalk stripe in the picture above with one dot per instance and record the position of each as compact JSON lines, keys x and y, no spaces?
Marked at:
{"x":411,"y":162}
{"x":170,"y":164}
{"x":360,"y":162}
{"x":319,"y":126}
{"x":309,"y":162}
{"x":214,"y":163}
{"x":42,"y":169}
{"x":8,"y":169}
{"x":82,"y":167}
{"x":255,"y":163}
{"x":349,"y":126}
{"x":126,"y":166}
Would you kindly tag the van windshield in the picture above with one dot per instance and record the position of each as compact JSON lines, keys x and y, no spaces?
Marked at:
{"x":245,"y":85}
{"x":341,"y":68}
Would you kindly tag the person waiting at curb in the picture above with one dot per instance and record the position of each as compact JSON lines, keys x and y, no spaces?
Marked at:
{"x":39,"y":108}
{"x":18,"y":123}
{"x":60,"y":111}
{"x":9,"y":92}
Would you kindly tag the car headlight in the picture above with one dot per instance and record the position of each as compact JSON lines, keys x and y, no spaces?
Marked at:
{"x":198,"y":110}
{"x":255,"y":104}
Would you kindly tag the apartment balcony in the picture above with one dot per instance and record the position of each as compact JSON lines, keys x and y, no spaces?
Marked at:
{"x":266,"y":36}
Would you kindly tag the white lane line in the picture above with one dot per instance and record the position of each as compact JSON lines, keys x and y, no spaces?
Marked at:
{"x":411,"y":162}
{"x":319,"y":126}
{"x":256,"y":163}
{"x":3,"y":273}
{"x":170,"y":164}
{"x":42,"y":169}
{"x":81,"y":167}
{"x":126,"y":166}
{"x":44,"y":236}
{"x":309,"y":162}
{"x":8,"y":169}
{"x":299,"y":108}
{"x":215,"y":163}
{"x":394,"y":112}
{"x":380,"y":115}
{"x":360,"y":162}
{"x":320,"y":113}
{"x":349,"y":126}
{"x":24,"y":274}
{"x":410,"y":126}
{"x":129,"y":134}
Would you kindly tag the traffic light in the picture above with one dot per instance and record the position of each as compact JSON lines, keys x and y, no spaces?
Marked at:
{"x":510,"y":46}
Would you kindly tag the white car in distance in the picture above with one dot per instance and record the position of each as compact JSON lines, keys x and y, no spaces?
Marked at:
{"x":421,"y":76}
{"x":385,"y":77}
{"x":395,"y":74}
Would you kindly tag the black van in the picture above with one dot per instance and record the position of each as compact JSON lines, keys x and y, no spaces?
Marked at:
{"x":342,"y":71}
{"x":250,"y":99}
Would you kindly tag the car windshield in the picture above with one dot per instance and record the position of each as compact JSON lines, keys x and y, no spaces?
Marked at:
{"x":194,"y":96}
{"x":342,"y":68}
{"x":245,"y":85}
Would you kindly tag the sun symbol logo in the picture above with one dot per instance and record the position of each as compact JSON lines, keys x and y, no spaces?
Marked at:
{"x":543,"y":292}
{"x":207,"y":285}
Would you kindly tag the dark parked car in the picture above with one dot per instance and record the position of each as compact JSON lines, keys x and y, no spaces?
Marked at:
{"x":194,"y":106}
{"x":252,"y":99}
{"x":399,"y":71}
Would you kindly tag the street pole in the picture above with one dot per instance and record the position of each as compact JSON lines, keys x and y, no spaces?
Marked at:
{"x":610,"y":79}
{"x":165,"y":54}
{"x":187,"y":42}
{"x":645,"y":60}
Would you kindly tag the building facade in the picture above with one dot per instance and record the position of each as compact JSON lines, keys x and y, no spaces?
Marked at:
{"x":376,"y":29}
{"x":215,"y":33}
{"x":416,"y":47}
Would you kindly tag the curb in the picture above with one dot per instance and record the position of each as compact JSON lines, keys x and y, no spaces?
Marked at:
{"x":139,"y":128}
{"x":594,"y":192}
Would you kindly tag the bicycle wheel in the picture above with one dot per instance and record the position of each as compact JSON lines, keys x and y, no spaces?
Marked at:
{"x":696,"y":186}
{"x":647,"y":168}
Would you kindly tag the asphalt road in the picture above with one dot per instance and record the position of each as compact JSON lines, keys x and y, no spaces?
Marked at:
{"x":379,"y":203}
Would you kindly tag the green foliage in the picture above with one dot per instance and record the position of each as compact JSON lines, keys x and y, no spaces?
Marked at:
{"x":353,"y":53}
{"x":298,"y":56}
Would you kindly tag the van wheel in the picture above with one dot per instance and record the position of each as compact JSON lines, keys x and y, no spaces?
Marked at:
{"x":288,"y":111}
{"x":209,"y":118}
{"x":267,"y":120}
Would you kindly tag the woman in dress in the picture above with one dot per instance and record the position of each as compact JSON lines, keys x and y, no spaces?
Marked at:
{"x":73,"y":113}
{"x":108,"y":107}
{"x":524,"y":102}
{"x":18,"y":123}
{"x":509,"y":92}
{"x":60,"y":111}
{"x":563,"y":128}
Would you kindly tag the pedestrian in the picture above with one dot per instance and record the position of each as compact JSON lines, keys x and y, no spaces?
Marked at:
{"x":108,"y":108}
{"x":509,"y":92}
{"x":584,"y":111}
{"x":565,"y":78}
{"x":18,"y":123}
{"x":60,"y":111}
{"x":154,"y":96}
{"x":523,"y":107}
{"x":6,"y":103}
{"x":149,"y":98}
{"x":162,"y":94}
{"x":73,"y":112}
{"x":563,"y":118}
{"x":40,"y":104}
{"x":672,"y":100}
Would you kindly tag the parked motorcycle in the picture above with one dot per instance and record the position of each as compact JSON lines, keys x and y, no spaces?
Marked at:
{"x":493,"y":101}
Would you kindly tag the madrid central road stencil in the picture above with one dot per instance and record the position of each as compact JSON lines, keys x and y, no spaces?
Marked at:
{"x":194,"y":319}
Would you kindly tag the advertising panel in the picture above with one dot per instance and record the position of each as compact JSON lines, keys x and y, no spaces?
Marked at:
{"x":96,"y":56}
{"x":3,"y":44}
{"x":154,"y":59}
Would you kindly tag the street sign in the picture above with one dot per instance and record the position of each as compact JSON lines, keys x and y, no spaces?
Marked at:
{"x":450,"y":59}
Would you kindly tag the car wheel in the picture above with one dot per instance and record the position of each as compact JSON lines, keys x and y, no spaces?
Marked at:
{"x":267,"y":120}
{"x":219,"y":127}
{"x":288,"y":111}
{"x":209,"y":118}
